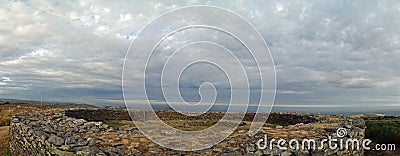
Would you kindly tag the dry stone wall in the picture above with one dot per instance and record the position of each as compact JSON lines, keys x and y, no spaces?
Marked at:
{"x":63,"y":133}
{"x":55,"y":134}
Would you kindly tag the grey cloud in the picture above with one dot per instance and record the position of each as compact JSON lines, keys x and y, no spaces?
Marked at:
{"x":325,"y":52}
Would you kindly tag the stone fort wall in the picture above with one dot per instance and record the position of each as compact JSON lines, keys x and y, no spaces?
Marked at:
{"x":65,"y":133}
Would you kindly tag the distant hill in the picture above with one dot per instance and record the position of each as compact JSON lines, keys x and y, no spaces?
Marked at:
{"x":64,"y":104}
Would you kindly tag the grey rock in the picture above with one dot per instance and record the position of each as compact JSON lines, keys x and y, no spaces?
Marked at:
{"x":219,"y":150}
{"x":119,"y":143}
{"x":62,"y":153}
{"x":235,"y":153}
{"x":277,"y":152}
{"x":56,"y":140}
{"x":92,"y":141}
{"x":348,"y":126}
{"x":65,"y":147}
{"x":267,"y":152}
{"x":259,"y":153}
{"x":115,"y":150}
{"x":82,"y":153}
{"x":15,"y":120}
{"x":101,"y":154}
{"x":82,"y":142}
{"x":250,"y":148}
{"x":286,"y":153}
{"x":133,"y":151}
{"x":154,"y":150}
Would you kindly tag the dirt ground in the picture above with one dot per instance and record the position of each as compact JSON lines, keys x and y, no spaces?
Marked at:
{"x":3,"y":138}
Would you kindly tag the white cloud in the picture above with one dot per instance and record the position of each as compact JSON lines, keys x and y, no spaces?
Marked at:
{"x":123,"y":17}
{"x":294,"y":92}
{"x":279,"y":7}
{"x":319,"y":47}
{"x":6,"y":79}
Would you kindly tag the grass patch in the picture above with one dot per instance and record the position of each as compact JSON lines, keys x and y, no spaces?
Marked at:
{"x":7,"y":152}
{"x":5,"y":122}
{"x":114,"y":123}
{"x":383,"y":131}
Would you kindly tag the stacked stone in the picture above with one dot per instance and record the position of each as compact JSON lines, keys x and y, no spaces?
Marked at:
{"x":54,"y":133}
{"x":355,"y":129}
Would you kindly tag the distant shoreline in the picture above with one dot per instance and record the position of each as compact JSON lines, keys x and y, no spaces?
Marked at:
{"x":387,"y":110}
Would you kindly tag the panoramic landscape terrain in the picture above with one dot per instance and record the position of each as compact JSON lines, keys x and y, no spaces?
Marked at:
{"x":194,"y":77}
{"x":79,"y":129}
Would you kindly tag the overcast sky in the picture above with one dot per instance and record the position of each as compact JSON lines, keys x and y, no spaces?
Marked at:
{"x":337,"y":53}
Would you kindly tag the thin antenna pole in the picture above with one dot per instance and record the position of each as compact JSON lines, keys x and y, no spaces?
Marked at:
{"x":41,"y":99}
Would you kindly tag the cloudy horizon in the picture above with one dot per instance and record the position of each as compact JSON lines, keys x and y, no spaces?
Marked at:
{"x":339,"y":53}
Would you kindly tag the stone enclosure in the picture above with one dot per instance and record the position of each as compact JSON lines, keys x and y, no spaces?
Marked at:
{"x":84,"y":132}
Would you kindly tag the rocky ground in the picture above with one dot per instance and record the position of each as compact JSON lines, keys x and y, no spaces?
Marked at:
{"x":184,"y":122}
{"x":63,"y":133}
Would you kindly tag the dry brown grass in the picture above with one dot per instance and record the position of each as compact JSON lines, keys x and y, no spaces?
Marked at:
{"x":190,"y":125}
{"x":7,"y":111}
{"x":186,"y":125}
{"x":3,"y":139}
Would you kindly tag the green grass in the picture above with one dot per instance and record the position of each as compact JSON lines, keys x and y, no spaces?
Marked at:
{"x":114,"y":123}
{"x":5,"y":122}
{"x":383,"y":131}
{"x":7,"y":152}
